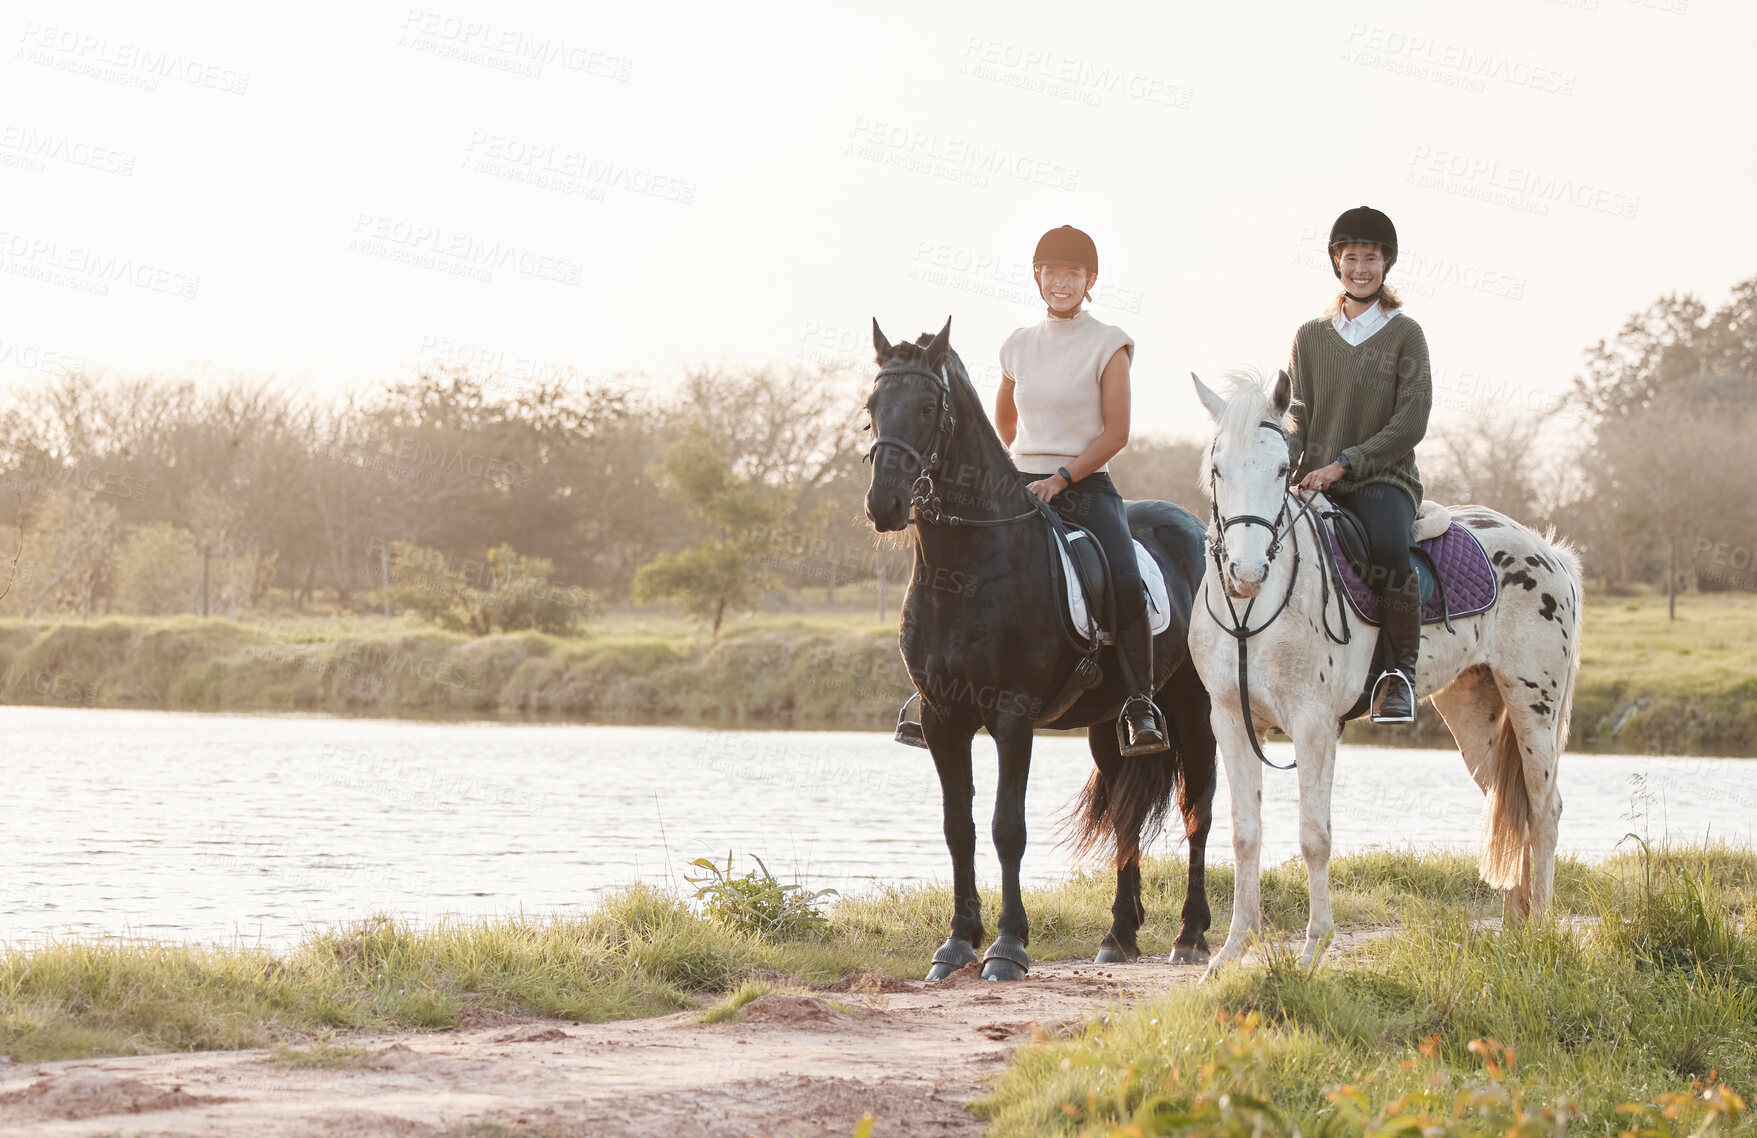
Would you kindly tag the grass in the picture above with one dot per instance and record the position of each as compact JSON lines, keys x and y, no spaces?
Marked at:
{"x":642,"y":952}
{"x":1647,"y":685}
{"x":727,"y":1009}
{"x":319,"y":1053}
{"x":1449,"y":1023}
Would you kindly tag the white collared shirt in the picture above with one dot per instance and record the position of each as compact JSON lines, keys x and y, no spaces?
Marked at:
{"x":1357,"y":330}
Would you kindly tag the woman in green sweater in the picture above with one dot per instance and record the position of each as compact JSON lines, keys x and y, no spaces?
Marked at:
{"x":1362,"y":388}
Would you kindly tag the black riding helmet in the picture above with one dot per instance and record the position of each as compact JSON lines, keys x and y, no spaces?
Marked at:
{"x":1066,"y":245}
{"x":1363,"y":225}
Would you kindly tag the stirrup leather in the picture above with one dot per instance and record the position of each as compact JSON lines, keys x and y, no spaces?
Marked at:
{"x":1373,"y":701}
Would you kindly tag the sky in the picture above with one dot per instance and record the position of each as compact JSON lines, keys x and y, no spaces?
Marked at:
{"x":332,"y":195}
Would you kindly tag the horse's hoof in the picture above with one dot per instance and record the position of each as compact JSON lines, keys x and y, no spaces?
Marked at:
{"x":951,"y":956}
{"x":1112,"y":954}
{"x":995,"y":968}
{"x":1189,"y":954}
{"x":1005,"y":959}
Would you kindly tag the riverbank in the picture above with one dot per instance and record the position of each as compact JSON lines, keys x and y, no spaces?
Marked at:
{"x":1647,"y":685}
{"x":548,"y":1029}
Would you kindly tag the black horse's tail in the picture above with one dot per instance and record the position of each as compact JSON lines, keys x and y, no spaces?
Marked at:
{"x":1120,"y":813}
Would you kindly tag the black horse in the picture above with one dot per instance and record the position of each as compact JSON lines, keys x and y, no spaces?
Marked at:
{"x":986,"y":646}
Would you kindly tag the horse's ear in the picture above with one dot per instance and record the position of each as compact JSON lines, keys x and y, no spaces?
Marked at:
{"x":1210,"y":398}
{"x":936,"y":348}
{"x":879,"y":344}
{"x":1282,"y":396}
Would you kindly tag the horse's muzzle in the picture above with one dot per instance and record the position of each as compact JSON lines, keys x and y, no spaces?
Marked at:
{"x":886,"y":512}
{"x":1241,"y":584}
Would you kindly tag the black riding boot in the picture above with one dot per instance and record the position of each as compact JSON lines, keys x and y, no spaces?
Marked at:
{"x":1140,"y":728}
{"x":1394,"y":693}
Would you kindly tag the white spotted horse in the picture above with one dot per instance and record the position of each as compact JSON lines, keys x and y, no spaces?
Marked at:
{"x":1275,"y":649}
{"x":999,"y":653}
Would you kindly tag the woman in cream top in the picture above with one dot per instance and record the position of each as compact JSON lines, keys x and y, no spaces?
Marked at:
{"x":1063,"y":411}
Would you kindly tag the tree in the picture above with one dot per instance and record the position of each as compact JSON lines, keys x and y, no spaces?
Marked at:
{"x":504,"y":592}
{"x":1674,"y":401}
{"x":158,"y":571}
{"x":727,"y":569}
{"x":65,"y":562}
{"x":1492,"y":460}
{"x":1668,"y":476}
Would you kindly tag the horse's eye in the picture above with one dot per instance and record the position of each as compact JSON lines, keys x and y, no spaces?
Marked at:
{"x":1282,"y":473}
{"x":926,"y":410}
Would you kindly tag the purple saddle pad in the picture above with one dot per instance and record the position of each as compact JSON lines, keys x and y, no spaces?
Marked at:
{"x":1466,"y":587}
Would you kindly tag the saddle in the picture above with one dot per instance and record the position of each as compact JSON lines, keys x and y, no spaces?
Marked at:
{"x":1083,"y":574}
{"x":1455,"y":574}
{"x":1086,"y":581}
{"x":1456,"y":577}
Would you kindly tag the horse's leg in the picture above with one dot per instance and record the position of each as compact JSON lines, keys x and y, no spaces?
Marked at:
{"x":1478,"y":716}
{"x":951,"y":758}
{"x":1244,"y":781}
{"x":1315,"y":744}
{"x":1473,"y":710}
{"x":1528,"y":748}
{"x":1127,"y":915}
{"x":1186,"y":704}
{"x":1006,"y":958}
{"x":1471,"y":706}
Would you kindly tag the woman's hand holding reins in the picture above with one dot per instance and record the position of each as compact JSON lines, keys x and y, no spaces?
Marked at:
{"x":1321,"y":478}
{"x":1047,"y":488}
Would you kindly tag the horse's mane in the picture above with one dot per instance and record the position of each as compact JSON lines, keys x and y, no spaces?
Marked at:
{"x":1248,"y":403}
{"x":966,"y":403}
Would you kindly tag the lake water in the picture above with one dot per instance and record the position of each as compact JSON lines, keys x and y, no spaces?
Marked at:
{"x":176,"y":826}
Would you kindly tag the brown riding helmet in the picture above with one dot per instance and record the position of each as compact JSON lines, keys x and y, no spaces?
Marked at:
{"x":1066,"y":246}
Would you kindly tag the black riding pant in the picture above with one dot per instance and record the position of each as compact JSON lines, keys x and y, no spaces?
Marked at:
{"x":1386,"y":513}
{"x":1094,"y":504}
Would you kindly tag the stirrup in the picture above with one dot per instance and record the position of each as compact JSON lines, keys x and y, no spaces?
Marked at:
{"x":1373,"y":700}
{"x":909,"y":732}
{"x":1128,"y":743}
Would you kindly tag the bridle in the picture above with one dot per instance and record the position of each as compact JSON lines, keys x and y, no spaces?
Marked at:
{"x":1240,"y":629}
{"x":925,"y":506}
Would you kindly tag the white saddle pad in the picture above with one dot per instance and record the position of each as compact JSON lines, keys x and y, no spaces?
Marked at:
{"x":1158,"y":601}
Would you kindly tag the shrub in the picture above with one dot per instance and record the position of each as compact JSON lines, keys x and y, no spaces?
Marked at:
{"x":756,"y":902}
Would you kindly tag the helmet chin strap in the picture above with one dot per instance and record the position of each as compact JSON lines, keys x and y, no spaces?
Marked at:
{"x":1365,"y":299}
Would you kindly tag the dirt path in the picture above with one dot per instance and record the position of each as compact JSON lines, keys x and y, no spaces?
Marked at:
{"x":913,"y":1054}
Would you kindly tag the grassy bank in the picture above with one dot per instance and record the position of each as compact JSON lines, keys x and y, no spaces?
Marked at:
{"x":1663,"y":988}
{"x":1647,"y":685}
{"x":1446,"y":1028}
{"x":642,"y":952}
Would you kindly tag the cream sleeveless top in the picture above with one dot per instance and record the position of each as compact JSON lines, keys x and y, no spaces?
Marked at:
{"x":1055,"y":366}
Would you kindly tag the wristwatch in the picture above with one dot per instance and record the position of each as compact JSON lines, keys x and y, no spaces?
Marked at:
{"x":1342,"y":461}
{"x":1063,"y":471}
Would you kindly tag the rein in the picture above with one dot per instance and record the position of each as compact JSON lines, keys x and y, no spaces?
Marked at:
{"x":1240,"y":629}
{"x":925,"y":507}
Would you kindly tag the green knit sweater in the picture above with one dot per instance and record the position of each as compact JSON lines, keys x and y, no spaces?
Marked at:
{"x":1367,"y":401}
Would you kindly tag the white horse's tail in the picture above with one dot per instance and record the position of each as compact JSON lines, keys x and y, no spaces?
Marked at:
{"x":1506,"y":852}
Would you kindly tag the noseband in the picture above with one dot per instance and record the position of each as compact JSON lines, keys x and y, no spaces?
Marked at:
{"x":924,"y":498}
